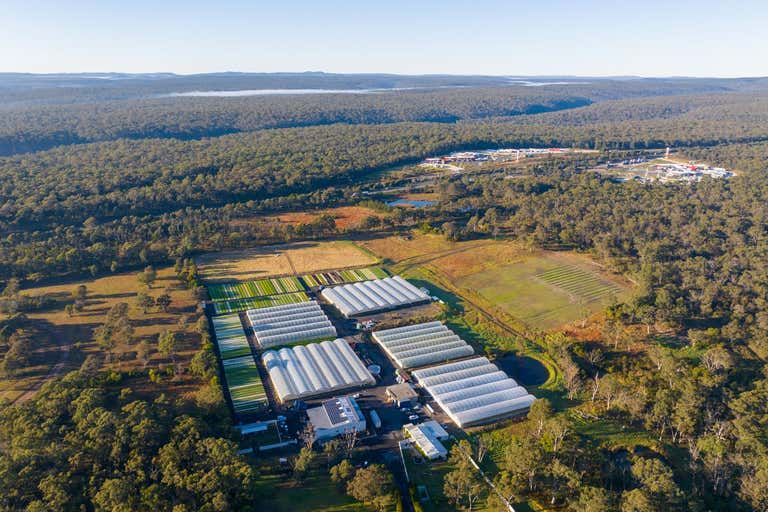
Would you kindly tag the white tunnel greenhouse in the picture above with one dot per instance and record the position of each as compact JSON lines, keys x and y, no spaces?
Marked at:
{"x":422,"y":344}
{"x":283,"y":325}
{"x":371,"y":296}
{"x":474,"y":391}
{"x":315,"y":369}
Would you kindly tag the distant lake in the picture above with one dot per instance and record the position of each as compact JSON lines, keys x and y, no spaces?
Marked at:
{"x":274,"y":92}
{"x":411,"y":202}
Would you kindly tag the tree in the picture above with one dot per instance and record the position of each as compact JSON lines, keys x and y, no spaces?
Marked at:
{"x":147,"y":277}
{"x":303,"y":462}
{"x":144,"y":301}
{"x":462,"y":484}
{"x":80,"y":293}
{"x":332,"y":452}
{"x":656,"y":487}
{"x":541,"y":411}
{"x":168,"y":344}
{"x":373,"y":486}
{"x":143,"y":352}
{"x":163,"y":302}
{"x":342,"y":472}
{"x":594,"y":499}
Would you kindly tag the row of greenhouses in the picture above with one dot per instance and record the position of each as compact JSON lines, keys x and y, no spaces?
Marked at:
{"x":373,"y":296}
{"x":285,"y":325}
{"x":422,"y":344}
{"x":474,"y":391}
{"x":315,"y":369}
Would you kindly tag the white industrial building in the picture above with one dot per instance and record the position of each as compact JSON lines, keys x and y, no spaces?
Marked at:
{"x":283,"y":325}
{"x":422,"y":344}
{"x":315,"y":369}
{"x":335,"y":417}
{"x":372,"y":296}
{"x":474,"y":391}
{"x":427,"y":437}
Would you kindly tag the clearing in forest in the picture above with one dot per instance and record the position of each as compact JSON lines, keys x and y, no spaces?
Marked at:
{"x":297,"y":258}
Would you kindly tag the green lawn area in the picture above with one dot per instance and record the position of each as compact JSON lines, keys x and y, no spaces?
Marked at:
{"x":315,"y":494}
{"x":542,"y":291}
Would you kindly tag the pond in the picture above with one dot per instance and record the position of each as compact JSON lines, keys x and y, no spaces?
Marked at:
{"x":411,"y":202}
{"x":527,"y":371}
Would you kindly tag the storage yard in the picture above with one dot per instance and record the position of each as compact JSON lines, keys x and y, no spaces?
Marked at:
{"x":283,"y":325}
{"x":372,"y":296}
{"x":315,"y":369}
{"x":422,"y":344}
{"x":474,"y":391}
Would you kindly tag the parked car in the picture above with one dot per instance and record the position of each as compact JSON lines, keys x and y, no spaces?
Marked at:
{"x":414,"y":417}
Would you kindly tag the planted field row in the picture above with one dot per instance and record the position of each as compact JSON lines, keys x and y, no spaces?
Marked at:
{"x":237,"y":305}
{"x":245,"y":386}
{"x":344,"y":276}
{"x":230,"y":336}
{"x":259,"y":288}
{"x":579,"y":283}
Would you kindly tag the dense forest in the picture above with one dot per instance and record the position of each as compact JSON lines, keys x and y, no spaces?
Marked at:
{"x":150,"y":181}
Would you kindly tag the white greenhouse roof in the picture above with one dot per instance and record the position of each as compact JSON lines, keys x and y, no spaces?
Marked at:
{"x":371,"y":296}
{"x":315,"y":369}
{"x":474,"y":391}
{"x":426,"y":440}
{"x":283,"y":325}
{"x":422,"y":344}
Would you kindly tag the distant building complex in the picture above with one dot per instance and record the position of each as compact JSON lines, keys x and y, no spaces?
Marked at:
{"x":335,"y":417}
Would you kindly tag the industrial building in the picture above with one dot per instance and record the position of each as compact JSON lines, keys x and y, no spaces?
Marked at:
{"x":283,"y":325}
{"x":315,"y":369}
{"x":336,"y":417}
{"x":373,"y":296}
{"x":427,"y":437}
{"x":474,"y":391}
{"x":422,"y":344}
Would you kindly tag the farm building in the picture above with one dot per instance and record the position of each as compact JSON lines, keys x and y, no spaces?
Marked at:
{"x":336,"y":417}
{"x":315,"y":369}
{"x":372,"y":296}
{"x":474,"y":391}
{"x":422,"y":344}
{"x":427,"y":437}
{"x":403,"y":394}
{"x":283,"y":325}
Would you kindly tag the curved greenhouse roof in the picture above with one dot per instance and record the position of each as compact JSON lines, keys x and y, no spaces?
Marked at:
{"x":283,"y":325}
{"x":315,"y":369}
{"x":474,"y":391}
{"x":371,"y":296}
{"x":422,"y":344}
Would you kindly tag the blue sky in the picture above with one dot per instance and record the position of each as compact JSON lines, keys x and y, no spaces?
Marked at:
{"x":534,"y":37}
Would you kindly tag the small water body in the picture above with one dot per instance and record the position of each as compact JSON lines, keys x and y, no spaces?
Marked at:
{"x":411,"y":202}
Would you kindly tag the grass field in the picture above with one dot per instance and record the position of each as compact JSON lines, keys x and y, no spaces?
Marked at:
{"x":245,"y":386}
{"x":258,"y":288}
{"x":542,"y":289}
{"x":291,"y":259}
{"x":235,"y":306}
{"x":316,"y":493}
{"x":343,"y":276}
{"x":345,"y":216}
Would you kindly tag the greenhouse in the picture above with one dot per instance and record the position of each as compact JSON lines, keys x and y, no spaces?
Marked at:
{"x":230,"y":336}
{"x":373,"y":296}
{"x":315,"y":369}
{"x":283,"y":325}
{"x":474,"y":391}
{"x":422,"y":344}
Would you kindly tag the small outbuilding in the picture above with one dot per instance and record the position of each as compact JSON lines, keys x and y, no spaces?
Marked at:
{"x":403,"y":395}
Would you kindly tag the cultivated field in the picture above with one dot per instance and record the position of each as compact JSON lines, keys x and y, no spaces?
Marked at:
{"x":299,"y":258}
{"x":259,"y":288}
{"x":542,"y":289}
{"x":234,"y":306}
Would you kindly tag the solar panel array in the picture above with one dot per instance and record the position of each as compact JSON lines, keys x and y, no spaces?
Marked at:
{"x":422,"y":344}
{"x":292,"y":323}
{"x":371,"y":296}
{"x":315,"y":369}
{"x":474,"y":391}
